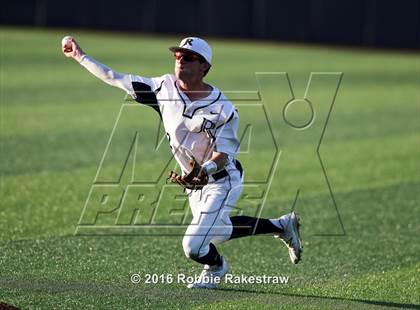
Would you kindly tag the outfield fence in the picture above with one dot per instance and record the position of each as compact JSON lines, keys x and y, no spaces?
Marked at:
{"x":371,"y":23}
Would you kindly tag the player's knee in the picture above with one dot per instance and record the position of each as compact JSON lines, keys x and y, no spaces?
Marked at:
{"x":191,"y":247}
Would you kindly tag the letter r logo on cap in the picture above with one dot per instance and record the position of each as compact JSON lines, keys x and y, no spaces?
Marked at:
{"x":188,"y":42}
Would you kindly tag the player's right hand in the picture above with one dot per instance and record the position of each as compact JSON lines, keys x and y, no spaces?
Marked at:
{"x":72,"y":49}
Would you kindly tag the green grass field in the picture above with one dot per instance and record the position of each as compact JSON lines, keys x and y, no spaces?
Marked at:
{"x":56,"y":120}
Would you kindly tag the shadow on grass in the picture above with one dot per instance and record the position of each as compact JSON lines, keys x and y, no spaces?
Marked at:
{"x":155,"y":293}
{"x":370,"y":302}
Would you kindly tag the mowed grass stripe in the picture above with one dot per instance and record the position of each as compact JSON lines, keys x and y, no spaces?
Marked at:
{"x":376,"y":205}
{"x":137,"y":254}
{"x":48,"y":155}
{"x":83,"y":118}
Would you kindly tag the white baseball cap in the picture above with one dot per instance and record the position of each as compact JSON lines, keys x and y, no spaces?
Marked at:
{"x":196,"y":46}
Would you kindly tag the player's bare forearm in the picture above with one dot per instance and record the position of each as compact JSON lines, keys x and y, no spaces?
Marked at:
{"x":220,"y":159}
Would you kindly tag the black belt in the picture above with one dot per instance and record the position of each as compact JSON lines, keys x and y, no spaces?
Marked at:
{"x":223,"y":173}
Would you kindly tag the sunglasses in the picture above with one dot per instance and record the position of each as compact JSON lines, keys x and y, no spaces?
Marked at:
{"x":188,"y":57}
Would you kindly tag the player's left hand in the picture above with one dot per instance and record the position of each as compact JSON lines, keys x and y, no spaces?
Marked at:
{"x":197,"y":178}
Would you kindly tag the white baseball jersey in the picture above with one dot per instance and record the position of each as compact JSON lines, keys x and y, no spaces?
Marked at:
{"x":194,"y":129}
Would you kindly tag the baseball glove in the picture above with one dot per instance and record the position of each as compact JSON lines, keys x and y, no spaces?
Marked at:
{"x":197,"y":178}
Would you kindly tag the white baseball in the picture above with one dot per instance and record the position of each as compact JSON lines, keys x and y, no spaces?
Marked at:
{"x":66,"y":41}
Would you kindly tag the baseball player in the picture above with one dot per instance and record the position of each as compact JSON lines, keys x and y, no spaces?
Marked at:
{"x":201,"y":126}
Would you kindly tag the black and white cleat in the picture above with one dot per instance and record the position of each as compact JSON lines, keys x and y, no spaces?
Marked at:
{"x":291,"y":236}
